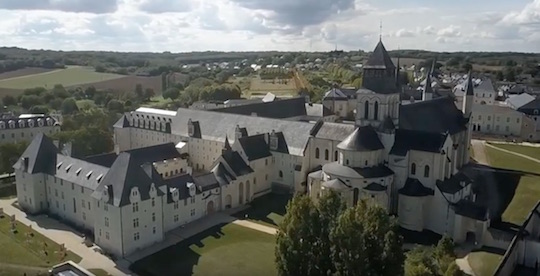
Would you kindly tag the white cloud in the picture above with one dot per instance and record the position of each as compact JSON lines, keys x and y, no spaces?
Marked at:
{"x":429,"y":30}
{"x":405,"y":33}
{"x":450,"y":31}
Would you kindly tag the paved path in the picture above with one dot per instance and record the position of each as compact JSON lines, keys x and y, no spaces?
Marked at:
{"x":479,"y":149}
{"x":514,"y":153}
{"x":256,"y":226}
{"x":60,"y":233}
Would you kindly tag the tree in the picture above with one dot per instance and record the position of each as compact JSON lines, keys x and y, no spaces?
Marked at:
{"x":171,"y":93}
{"x":366,"y":242}
{"x":139,"y":91}
{"x":510,"y":74}
{"x":115,"y":106}
{"x":453,"y":270}
{"x":39,"y":109}
{"x":296,"y":239}
{"x":9,"y":100}
{"x":28,"y":101}
{"x":9,"y":154}
{"x":467,"y":67}
{"x":59,"y":91}
{"x":330,"y":207}
{"x":69,"y":106}
{"x":500,"y":75}
{"x":439,"y":260}
{"x":149,"y":93}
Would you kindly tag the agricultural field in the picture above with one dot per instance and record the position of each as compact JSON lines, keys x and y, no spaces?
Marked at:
{"x":24,"y":72}
{"x":279,"y":87}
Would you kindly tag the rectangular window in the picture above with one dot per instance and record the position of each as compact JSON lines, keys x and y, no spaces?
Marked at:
{"x":175,"y":205}
{"x":153,"y":202}
{"x":107,"y":221}
{"x":100,"y":232}
{"x":185,"y":201}
{"x":136,"y":236}
{"x":62,"y":195}
{"x":135,"y":223}
{"x":175,"y":218}
{"x":192,"y":212}
{"x":135,"y":207}
{"x":57,"y":206}
{"x":192,"y":200}
{"x":72,"y":186}
{"x":107,"y":235}
{"x":84,"y":216}
{"x":89,"y":205}
{"x":55,"y":192}
{"x":82,"y":190}
{"x":105,"y":207}
{"x":82,"y":203}
{"x":153,"y":230}
{"x":153,"y":216}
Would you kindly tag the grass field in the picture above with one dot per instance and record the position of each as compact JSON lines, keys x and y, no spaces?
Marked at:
{"x":222,"y":250}
{"x":259,"y":87}
{"x":26,"y":247}
{"x":533,"y":152}
{"x":67,"y":77}
{"x":268,"y":209}
{"x":484,"y":263}
{"x":527,"y":193}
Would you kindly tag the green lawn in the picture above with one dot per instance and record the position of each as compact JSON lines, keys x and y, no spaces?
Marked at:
{"x":484,"y":263}
{"x":268,"y":209}
{"x":533,"y":152}
{"x":11,"y":271}
{"x":67,"y":77}
{"x":527,"y":193}
{"x":25,"y":249}
{"x":99,"y":272}
{"x":222,"y":250}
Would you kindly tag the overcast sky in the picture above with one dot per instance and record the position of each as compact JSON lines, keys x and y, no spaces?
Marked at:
{"x":288,"y":25}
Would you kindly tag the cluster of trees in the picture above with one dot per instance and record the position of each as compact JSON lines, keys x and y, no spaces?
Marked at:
{"x":9,"y":154}
{"x":41,"y":100}
{"x":327,"y":238}
{"x":203,"y":89}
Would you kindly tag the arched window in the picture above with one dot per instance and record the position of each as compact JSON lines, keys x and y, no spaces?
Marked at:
{"x":413,"y":169}
{"x":376,"y":111}
{"x":366,"y":110}
{"x":280,"y":174}
{"x":326,"y":154}
{"x":336,"y":156}
{"x":317,"y":153}
{"x":426,"y":171}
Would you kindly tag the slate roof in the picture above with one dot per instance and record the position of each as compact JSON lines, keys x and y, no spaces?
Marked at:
{"x":439,"y":115}
{"x":453,"y":184}
{"x":471,"y":210}
{"x":335,"y":168}
{"x":362,"y":139}
{"x":255,"y":147}
{"x":387,"y":125}
{"x":520,"y":100}
{"x":154,"y":153}
{"x":122,"y":122}
{"x":4,"y":122}
{"x":317,"y":110}
{"x":215,"y":125}
{"x":206,"y":182}
{"x":334,"y":131}
{"x":222,"y":175}
{"x":282,"y":143}
{"x":106,"y":159}
{"x":179,"y":182}
{"x":530,"y":107}
{"x":126,"y":173}
{"x":41,"y":154}
{"x":236,"y":163}
{"x":406,"y":140}
{"x":415,"y":188}
{"x":335,"y":94}
{"x":280,"y":109}
{"x":336,"y":184}
{"x":79,"y":171}
{"x":375,"y":187}
{"x":380,"y":59}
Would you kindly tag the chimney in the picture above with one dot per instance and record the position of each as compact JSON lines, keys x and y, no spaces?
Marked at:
{"x":25,"y":161}
{"x":67,"y":149}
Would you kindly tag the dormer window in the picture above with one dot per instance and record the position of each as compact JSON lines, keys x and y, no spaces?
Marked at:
{"x":2,"y":125}
{"x":68,"y":167}
{"x":59,"y":165}
{"x":31,"y":123}
{"x":89,"y":174}
{"x":40,"y":122}
{"x":78,"y":171}
{"x":21,"y":123}
{"x":49,"y":121}
{"x":11,"y":124}
{"x":99,"y":178}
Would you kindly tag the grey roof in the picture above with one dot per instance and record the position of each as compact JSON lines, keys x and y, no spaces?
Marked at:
{"x":362,"y":139}
{"x":337,"y":169}
{"x":471,"y":210}
{"x":454,"y":184}
{"x":179,"y":183}
{"x":335,"y":94}
{"x":531,"y":107}
{"x":517,"y":101}
{"x":498,"y":109}
{"x":387,"y":125}
{"x":439,"y":115}
{"x":41,"y":154}
{"x":336,"y":184}
{"x":235,"y":162}
{"x":333,"y":131}
{"x":222,"y":175}
{"x":407,"y":140}
{"x":214,"y":126}
{"x":280,"y":109}
{"x":428,"y":87}
{"x":255,"y":147}
{"x":206,"y":182}
{"x":128,"y":171}
{"x":317,"y":110}
{"x":375,"y":187}
{"x":122,"y":122}
{"x":414,"y":188}
{"x":380,"y":59}
{"x":469,"y":87}
{"x":79,"y":171}
{"x":106,"y":159}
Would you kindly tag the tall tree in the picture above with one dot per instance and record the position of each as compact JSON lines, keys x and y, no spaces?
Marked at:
{"x":69,"y":106}
{"x":296,"y":238}
{"x":366,"y":242}
{"x":330,"y":207}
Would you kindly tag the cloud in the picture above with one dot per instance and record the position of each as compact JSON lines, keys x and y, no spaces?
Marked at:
{"x":405,"y":33}
{"x":429,"y":30}
{"x":530,"y":14}
{"x":450,"y":31}
{"x":89,"y":6}
{"x":164,"y":6}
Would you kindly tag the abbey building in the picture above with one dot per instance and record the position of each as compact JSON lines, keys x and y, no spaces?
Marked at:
{"x":172,"y":167}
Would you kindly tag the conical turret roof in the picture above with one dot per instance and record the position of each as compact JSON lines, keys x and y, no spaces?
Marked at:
{"x":380,"y":58}
{"x":362,"y":139}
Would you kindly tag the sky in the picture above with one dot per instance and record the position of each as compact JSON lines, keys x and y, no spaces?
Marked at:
{"x":261,"y":25}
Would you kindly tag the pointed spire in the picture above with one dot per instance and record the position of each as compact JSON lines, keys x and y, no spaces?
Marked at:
{"x":380,"y":31}
{"x":469,"y":87}
{"x":227,"y":145}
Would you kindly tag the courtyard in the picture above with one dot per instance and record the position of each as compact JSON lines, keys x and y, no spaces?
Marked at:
{"x":267,"y":210}
{"x":226,"y":249}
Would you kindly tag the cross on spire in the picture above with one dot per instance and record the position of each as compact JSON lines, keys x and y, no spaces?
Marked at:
{"x":380,"y":31}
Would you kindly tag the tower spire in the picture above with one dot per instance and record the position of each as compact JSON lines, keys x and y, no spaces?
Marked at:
{"x":380,"y":31}
{"x":398,"y":69}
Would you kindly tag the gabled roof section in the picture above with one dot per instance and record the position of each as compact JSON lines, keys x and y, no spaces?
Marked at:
{"x":428,"y":86}
{"x":255,"y":147}
{"x":454,"y":184}
{"x":237,"y":164}
{"x":407,"y":140}
{"x":362,"y":139}
{"x":122,"y":122}
{"x":40,"y":154}
{"x":414,"y":188}
{"x":333,"y":131}
{"x":380,"y":59}
{"x":336,"y":94}
{"x":80,"y":172}
{"x":439,"y":115}
{"x":222,"y":175}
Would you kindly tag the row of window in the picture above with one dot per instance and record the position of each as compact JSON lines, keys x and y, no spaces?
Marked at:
{"x":498,"y":119}
{"x":22,"y":134}
{"x":488,"y":128}
{"x":326,"y":154}
{"x":413,"y":170}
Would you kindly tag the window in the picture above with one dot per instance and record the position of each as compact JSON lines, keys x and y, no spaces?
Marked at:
{"x":153,"y":230}
{"x":82,"y":203}
{"x":507,"y":128}
{"x":266,"y":162}
{"x":508,"y":120}
{"x":255,"y":181}
{"x":55,"y":192}
{"x":317,"y":153}
{"x":326,"y":153}
{"x":280,"y":174}
{"x":105,"y":207}
{"x":135,"y":223}
{"x":335,"y":155}
{"x":62,"y":195}
{"x":107,"y":235}
{"x":266,"y":177}
{"x":153,"y":202}
{"x":192,"y":200}
{"x":413,"y":169}
{"x":82,"y":190}
{"x":100,"y":232}
{"x":376,"y":111}
{"x":136,"y":236}
{"x":489,"y":118}
{"x":185,"y":201}
{"x":84,"y":216}
{"x":192,"y":212}
{"x":89,"y":205}
{"x":175,"y":205}
{"x":175,"y":218}
{"x":135,"y":207}
{"x":72,"y":186}
{"x":426,"y":171}
{"x":517,"y":120}
{"x":153,"y":216}
{"x":107,"y":221}
{"x":366,"y":110}
{"x":74,"y":206}
{"x":347,"y":161}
